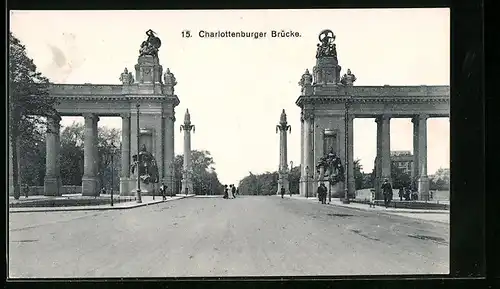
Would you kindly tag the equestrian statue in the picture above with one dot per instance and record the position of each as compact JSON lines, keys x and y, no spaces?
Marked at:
{"x":148,"y":169}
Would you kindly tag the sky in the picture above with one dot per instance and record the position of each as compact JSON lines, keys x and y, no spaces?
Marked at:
{"x":236,"y":88}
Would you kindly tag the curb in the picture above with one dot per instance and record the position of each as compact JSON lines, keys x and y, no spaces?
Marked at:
{"x":42,"y":210}
{"x":391,"y":212}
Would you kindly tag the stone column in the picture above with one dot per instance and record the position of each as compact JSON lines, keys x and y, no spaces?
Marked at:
{"x":168,"y":158}
{"x":423,"y":181}
{"x":11,"y":168}
{"x":378,"y":164}
{"x":283,"y":128}
{"x":187,"y":178}
{"x":351,"y":184}
{"x":90,"y":182}
{"x":308,"y":121}
{"x":52,"y":183}
{"x":125,"y":171}
{"x":414,"y":167}
{"x":302,"y":164}
{"x":386,"y":148}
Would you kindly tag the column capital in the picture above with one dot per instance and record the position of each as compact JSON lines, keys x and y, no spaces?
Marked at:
{"x":90,"y":115}
{"x":423,"y":116}
{"x":308,"y":115}
{"x":125,"y":114}
{"x":381,"y":117}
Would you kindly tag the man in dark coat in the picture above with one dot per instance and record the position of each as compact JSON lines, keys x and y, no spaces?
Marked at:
{"x":226,"y":193}
{"x":233,"y":190}
{"x":282,"y":191}
{"x":387,"y":191}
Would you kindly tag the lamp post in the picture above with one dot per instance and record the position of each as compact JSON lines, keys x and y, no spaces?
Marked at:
{"x":307,"y":182}
{"x":171,"y":166}
{"x":113,"y":151}
{"x":346,"y":181}
{"x":290,"y":178}
{"x":139,"y":199}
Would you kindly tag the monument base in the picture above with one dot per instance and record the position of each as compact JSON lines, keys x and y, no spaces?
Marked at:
{"x":124,"y":187}
{"x":90,"y":187}
{"x":52,"y":187}
{"x":423,"y":188}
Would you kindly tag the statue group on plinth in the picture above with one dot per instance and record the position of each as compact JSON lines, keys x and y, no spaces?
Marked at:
{"x":330,"y":168}
{"x":146,"y":165}
{"x":151,"y":45}
{"x":326,"y":47}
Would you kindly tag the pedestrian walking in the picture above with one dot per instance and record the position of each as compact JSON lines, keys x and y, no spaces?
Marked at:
{"x":387,"y":191}
{"x":282,"y":192}
{"x":226,"y":194}
{"x":401,"y":193}
{"x":233,"y":191}
{"x":163,"y":189}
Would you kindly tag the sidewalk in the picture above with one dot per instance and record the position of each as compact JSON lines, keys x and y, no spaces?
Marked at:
{"x":441,"y":216}
{"x":146,"y":201}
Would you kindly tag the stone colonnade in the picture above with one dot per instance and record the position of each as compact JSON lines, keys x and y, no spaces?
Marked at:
{"x":383,"y":158}
{"x":90,"y":180}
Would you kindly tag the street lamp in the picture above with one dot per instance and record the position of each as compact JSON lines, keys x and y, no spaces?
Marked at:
{"x":139,"y":199}
{"x":113,"y":151}
{"x":171,"y":166}
{"x":346,"y":182}
{"x":290,"y":178}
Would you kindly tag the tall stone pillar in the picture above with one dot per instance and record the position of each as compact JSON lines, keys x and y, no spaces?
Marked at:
{"x":283,"y":128}
{"x":414,"y":167}
{"x":90,"y":182}
{"x":168,"y":158}
{"x":351,"y":184}
{"x":423,"y":180}
{"x":52,"y":183}
{"x":378,"y":165}
{"x":187,"y":173}
{"x":386,"y":148}
{"x":125,"y":170}
{"x":306,"y":178}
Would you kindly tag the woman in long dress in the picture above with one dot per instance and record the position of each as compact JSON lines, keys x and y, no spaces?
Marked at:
{"x":230,"y":192}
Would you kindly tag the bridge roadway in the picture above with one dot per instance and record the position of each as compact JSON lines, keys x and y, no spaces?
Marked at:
{"x":246,"y":236}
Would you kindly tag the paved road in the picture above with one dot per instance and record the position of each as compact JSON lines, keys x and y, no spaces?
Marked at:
{"x":246,"y":236}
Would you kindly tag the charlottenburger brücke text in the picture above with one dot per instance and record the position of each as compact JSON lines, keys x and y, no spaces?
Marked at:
{"x":248,"y":34}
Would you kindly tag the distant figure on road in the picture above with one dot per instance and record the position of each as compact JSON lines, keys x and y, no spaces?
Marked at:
{"x":230,"y":192}
{"x":282,"y":192}
{"x":401,"y":193}
{"x":387,"y":191}
{"x":233,"y":191}
{"x":226,"y":194}
{"x":163,"y":189}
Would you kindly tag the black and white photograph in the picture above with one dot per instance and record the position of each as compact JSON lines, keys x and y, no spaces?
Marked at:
{"x":228,"y":143}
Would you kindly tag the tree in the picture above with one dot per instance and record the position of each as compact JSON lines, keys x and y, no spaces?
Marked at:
{"x":358,"y":174}
{"x":29,"y":104}
{"x":294,"y":180}
{"x":205,"y":179}
{"x":262,"y":184}
{"x":399,"y":178}
{"x":440,"y":180}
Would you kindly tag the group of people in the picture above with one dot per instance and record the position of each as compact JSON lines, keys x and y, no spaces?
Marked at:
{"x":408,"y":194}
{"x":230,"y":192}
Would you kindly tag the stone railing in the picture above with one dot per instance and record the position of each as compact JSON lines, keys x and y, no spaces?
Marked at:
{"x":39,"y":190}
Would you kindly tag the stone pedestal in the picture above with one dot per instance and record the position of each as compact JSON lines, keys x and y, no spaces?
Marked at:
{"x":423,"y":188}
{"x":326,"y":71}
{"x":148,"y":70}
